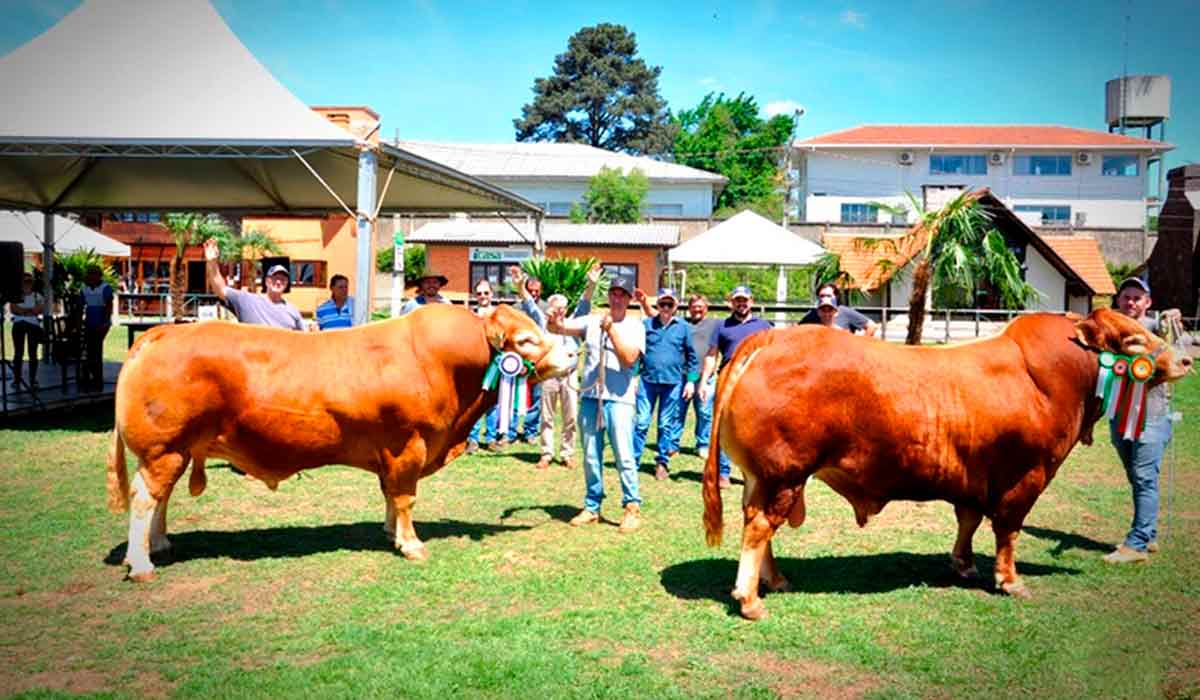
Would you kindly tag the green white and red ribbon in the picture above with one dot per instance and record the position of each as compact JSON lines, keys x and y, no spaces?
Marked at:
{"x":510,"y":371}
{"x":1121,"y":386}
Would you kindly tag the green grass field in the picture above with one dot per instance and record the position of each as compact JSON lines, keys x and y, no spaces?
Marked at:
{"x":298,"y":593}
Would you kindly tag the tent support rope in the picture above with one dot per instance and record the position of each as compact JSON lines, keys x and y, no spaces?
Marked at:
{"x":324,"y":184}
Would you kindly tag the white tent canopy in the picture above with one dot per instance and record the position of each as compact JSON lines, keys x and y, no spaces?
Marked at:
{"x":747,"y":239}
{"x":69,"y":236}
{"x":184,"y":118}
{"x":156,"y":105}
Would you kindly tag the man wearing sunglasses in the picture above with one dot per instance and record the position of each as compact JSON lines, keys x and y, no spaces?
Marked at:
{"x":670,"y":369}
{"x":491,"y":421}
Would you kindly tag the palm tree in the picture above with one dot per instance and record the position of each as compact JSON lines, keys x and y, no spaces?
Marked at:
{"x":959,"y":250}
{"x":250,"y":247}
{"x":186,"y":229}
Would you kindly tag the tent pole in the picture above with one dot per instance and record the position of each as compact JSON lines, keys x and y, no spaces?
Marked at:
{"x":364,"y":261}
{"x":48,"y":270}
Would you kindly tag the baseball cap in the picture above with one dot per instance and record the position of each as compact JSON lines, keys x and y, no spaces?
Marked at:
{"x":827,"y":300}
{"x":619,"y":282}
{"x":667,"y":293}
{"x":279,"y":268}
{"x":1136,"y":282}
{"x":741,"y":291}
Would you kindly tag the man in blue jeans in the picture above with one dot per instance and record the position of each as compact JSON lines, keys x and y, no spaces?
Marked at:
{"x":1142,"y":458}
{"x":703,"y":327}
{"x":741,"y":324}
{"x":669,"y":374}
{"x":614,"y":342}
{"x":485,"y":427}
{"x":530,"y":289}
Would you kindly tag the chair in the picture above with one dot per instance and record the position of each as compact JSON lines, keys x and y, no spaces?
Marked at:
{"x":65,"y":339}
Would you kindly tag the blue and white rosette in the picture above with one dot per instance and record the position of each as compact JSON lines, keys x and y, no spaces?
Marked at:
{"x":509,"y":370}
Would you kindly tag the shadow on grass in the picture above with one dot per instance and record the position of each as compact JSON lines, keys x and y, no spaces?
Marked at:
{"x":301,"y":541}
{"x":90,"y":418}
{"x":561,"y":513}
{"x":1067,"y":540}
{"x":713,"y":579}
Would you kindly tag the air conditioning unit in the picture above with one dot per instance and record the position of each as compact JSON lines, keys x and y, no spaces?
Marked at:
{"x":1083,"y":158}
{"x":905,"y":158}
{"x":996,"y":158}
{"x":1080,"y":219}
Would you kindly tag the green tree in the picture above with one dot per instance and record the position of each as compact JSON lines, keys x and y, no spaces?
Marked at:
{"x":565,"y":276}
{"x":961,"y":252}
{"x":247,"y":248}
{"x":613,"y":198}
{"x":600,"y":94}
{"x":414,"y":260}
{"x":187,"y":229}
{"x":728,"y":136}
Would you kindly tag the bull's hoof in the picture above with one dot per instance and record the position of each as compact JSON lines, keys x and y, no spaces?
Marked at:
{"x":964,"y":571}
{"x":754,"y":611}
{"x":779,"y":585}
{"x":1017,"y":589}
{"x":141,"y":576}
{"x":415,"y":552}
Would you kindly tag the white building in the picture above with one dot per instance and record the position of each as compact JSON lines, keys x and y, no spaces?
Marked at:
{"x":1049,"y":175}
{"x":555,"y":175}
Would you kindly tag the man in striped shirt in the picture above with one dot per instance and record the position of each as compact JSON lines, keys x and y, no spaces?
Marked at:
{"x":338,"y":312}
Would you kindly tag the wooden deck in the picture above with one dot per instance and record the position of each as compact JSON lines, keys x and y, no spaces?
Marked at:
{"x":52,"y":395}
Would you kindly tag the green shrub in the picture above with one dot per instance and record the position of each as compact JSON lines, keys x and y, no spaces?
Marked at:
{"x":566,"y":276}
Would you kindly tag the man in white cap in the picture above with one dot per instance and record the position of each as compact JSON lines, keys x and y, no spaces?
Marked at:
{"x":269,"y":309}
{"x":429,"y":291}
{"x":741,"y":324}
{"x":615,"y":342}
{"x":1142,"y":457}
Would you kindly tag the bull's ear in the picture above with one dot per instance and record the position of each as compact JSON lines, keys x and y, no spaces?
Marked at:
{"x":494,"y":331}
{"x":1135,"y":344}
{"x":1088,"y":333}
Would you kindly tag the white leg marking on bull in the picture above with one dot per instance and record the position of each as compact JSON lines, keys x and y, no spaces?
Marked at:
{"x":389,"y":517}
{"x":141,"y":513}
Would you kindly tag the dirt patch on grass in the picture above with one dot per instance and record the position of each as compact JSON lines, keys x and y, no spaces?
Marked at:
{"x":799,"y":678}
{"x":74,"y":682}
{"x":1182,"y":679}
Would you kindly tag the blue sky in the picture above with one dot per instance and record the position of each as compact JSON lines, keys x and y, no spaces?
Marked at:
{"x":462,"y":71}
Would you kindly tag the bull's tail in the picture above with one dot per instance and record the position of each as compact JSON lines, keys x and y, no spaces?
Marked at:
{"x":118,"y":474}
{"x":714,"y":518}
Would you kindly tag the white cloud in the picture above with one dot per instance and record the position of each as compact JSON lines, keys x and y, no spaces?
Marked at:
{"x":782,"y":107}
{"x":709,"y":82}
{"x":858,"y":20}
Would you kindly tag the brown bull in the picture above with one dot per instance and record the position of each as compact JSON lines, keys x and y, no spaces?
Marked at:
{"x":983,"y":425}
{"x":395,"y":398}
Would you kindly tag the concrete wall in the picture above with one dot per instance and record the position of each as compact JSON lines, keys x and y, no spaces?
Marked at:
{"x":859,"y":176}
{"x":1051,"y":286}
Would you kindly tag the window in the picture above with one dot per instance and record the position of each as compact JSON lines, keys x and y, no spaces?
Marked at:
{"x":664,"y":210}
{"x":494,"y":272}
{"x":1052,"y":214}
{"x":1042,"y":165}
{"x":308,"y":273}
{"x":1119,"y":166}
{"x":627,"y":270}
{"x":860,"y":214}
{"x":957,"y":165}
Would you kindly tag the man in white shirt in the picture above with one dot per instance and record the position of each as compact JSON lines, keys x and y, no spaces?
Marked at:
{"x":615,"y":342}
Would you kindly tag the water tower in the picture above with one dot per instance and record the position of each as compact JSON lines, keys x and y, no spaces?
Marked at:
{"x":1141,"y":102}
{"x":1145,"y":102}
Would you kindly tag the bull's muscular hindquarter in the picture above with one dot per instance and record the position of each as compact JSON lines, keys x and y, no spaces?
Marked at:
{"x":396,"y":398}
{"x":984,"y":425}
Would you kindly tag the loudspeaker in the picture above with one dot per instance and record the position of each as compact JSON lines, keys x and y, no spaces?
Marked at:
{"x":268,"y":263}
{"x":12,"y":267}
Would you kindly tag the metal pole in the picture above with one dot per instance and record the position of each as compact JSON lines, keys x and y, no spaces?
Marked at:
{"x":365,"y":264}
{"x":537,"y":232}
{"x":48,"y":269}
{"x":397,"y":268}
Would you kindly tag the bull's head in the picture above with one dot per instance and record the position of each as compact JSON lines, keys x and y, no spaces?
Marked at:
{"x":1110,"y":330}
{"x":509,"y":330}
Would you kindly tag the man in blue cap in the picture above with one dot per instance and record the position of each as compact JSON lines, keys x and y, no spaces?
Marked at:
{"x":741,"y":324}
{"x":670,"y":369}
